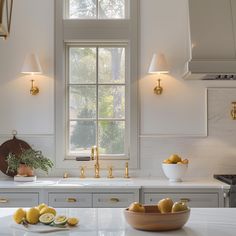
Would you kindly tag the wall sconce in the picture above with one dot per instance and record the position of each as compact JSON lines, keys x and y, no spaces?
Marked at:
{"x":6,"y":7}
{"x":32,"y":67}
{"x":159,"y":66}
{"x":233,"y":111}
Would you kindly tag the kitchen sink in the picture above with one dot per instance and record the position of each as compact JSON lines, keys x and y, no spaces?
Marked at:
{"x":95,"y":182}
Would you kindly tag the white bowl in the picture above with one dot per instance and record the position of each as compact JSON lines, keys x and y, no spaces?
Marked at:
{"x":174,"y":172}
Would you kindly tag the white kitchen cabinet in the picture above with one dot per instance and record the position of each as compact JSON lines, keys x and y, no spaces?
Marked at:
{"x":193,"y":197}
{"x":70,"y":200}
{"x":19,"y":199}
{"x":91,"y":197}
{"x":148,"y":191}
{"x":193,"y":200}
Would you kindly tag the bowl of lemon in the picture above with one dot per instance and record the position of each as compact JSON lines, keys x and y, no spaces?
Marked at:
{"x":165,"y":215}
{"x":175,"y":168}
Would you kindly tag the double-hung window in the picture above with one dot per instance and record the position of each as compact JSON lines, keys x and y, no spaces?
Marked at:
{"x":96,"y":80}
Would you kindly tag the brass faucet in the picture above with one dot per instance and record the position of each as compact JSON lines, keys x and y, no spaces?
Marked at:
{"x":96,"y":157}
{"x":65,"y":175}
{"x":110,"y":175}
{"x":127,"y":170}
{"x":82,"y":172}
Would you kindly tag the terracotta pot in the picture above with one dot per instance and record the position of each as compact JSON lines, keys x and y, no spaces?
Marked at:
{"x":25,"y":170}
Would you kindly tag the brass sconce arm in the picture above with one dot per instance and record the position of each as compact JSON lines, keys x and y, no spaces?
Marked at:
{"x":158,"y":89}
{"x":34,"y":89}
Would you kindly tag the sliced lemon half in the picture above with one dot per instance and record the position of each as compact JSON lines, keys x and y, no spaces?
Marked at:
{"x":60,"y":220}
{"x":47,"y":218}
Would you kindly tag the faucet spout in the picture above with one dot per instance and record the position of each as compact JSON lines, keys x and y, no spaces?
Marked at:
{"x":95,"y":156}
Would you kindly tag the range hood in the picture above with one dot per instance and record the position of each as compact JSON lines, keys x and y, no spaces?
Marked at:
{"x":212,"y":40}
{"x":5,"y":17}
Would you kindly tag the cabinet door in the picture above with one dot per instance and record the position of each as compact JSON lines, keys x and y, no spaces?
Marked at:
{"x":113,"y":199}
{"x":19,"y":199}
{"x":192,"y":199}
{"x":61,"y":200}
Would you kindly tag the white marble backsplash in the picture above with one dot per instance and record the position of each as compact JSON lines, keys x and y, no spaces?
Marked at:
{"x":213,"y":154}
{"x":207,"y":156}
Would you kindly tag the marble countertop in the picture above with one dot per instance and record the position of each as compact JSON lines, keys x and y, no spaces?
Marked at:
{"x":107,"y":221}
{"x":112,"y":183}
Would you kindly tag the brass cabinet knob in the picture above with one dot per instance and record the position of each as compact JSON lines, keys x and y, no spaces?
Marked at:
{"x":71,"y":199}
{"x":114,"y":199}
{"x":3,"y":200}
{"x":185,"y":200}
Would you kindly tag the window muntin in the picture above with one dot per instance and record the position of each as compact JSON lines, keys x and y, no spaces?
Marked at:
{"x":97,"y":9}
{"x":96,"y":94}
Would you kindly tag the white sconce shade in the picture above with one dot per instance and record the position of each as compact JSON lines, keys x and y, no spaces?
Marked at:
{"x":158,"y":64}
{"x":31,"y":65}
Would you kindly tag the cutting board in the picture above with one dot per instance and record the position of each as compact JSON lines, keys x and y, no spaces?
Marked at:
{"x":14,"y":146}
{"x":39,"y":228}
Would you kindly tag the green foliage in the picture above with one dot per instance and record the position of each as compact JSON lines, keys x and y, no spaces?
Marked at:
{"x":106,"y":8}
{"x":111,"y":137}
{"x":83,"y":65}
{"x":84,"y":135}
{"x":29,"y":157}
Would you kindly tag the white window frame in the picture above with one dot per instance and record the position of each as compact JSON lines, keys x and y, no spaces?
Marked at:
{"x":125,"y":156}
{"x":66,"y":16}
{"x":68,"y":31}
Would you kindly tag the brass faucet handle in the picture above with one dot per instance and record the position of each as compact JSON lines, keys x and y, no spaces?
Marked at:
{"x":97,"y":170}
{"x":110,"y":174}
{"x":82,"y":172}
{"x":65,"y":175}
{"x":126,"y":170}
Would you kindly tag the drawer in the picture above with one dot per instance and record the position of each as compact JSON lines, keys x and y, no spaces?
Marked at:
{"x":113,"y":199}
{"x":19,"y":199}
{"x":192,"y":199}
{"x":61,"y":200}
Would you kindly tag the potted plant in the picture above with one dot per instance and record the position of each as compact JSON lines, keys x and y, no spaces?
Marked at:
{"x":27,"y":161}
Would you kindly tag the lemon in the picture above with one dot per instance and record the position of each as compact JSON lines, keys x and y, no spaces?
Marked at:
{"x":136,"y":207}
{"x":60,"y":220}
{"x":72,"y":221}
{"x":32,"y":215}
{"x":47,"y":218}
{"x":165,"y":205}
{"x":174,"y":158}
{"x":167,"y":161}
{"x":41,"y":206}
{"x":179,"y":206}
{"x":185,"y":161}
{"x":48,"y":210}
{"x":19,"y":215}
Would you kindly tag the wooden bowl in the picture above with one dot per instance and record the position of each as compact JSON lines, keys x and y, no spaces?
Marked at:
{"x":153,"y":220}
